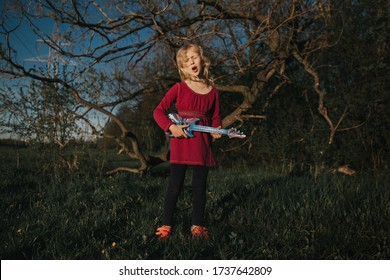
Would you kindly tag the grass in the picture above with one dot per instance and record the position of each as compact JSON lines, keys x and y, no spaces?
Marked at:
{"x":251,"y":213}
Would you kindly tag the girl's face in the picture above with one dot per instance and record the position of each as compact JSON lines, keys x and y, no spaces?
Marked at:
{"x":192,"y":63}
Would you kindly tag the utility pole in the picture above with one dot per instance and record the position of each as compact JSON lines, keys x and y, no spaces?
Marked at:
{"x":53,"y":59}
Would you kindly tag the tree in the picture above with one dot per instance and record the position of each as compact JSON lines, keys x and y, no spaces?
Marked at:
{"x":253,"y":44}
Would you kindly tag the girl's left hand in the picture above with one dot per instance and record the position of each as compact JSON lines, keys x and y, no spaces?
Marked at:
{"x":216,"y":135}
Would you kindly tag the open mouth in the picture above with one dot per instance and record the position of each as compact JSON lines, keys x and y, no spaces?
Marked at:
{"x":194,"y":69}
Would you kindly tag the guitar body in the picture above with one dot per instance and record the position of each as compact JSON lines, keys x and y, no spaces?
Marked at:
{"x":179,"y":120}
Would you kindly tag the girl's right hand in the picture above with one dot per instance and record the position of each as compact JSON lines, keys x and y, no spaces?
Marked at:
{"x":177,"y":130}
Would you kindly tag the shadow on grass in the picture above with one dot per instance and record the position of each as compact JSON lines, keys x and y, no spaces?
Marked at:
{"x":250,"y":216}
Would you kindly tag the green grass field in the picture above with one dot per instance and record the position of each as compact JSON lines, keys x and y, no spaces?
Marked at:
{"x":252,"y":214}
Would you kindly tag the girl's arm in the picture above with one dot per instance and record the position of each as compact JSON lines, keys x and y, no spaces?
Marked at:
{"x":216,"y":118}
{"x":160,"y":114}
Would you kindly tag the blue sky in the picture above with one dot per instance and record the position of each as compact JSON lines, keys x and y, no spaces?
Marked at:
{"x":25,"y":41}
{"x":26,"y":44}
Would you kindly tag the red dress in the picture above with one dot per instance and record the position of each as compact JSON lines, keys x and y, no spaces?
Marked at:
{"x":189,"y":104}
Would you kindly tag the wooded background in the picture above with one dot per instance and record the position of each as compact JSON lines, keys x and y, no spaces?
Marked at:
{"x":307,"y":81}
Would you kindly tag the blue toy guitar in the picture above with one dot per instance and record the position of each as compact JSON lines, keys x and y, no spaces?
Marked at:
{"x":179,"y":120}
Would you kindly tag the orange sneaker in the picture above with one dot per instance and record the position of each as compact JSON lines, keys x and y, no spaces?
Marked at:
{"x":199,"y":231}
{"x":163,"y":232}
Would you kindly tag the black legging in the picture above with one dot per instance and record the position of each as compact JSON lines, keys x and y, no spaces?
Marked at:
{"x":199,"y":179}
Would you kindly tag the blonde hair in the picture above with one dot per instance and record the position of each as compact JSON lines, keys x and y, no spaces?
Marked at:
{"x":181,"y":55}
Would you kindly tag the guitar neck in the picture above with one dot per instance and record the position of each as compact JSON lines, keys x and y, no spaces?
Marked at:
{"x":209,"y":129}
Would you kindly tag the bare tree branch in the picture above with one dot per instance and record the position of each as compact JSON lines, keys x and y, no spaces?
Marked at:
{"x":251,"y":41}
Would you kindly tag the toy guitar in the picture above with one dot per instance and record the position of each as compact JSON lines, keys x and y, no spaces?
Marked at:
{"x":179,"y":120}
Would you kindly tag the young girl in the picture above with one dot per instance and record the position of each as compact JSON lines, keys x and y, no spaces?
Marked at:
{"x":194,"y":97}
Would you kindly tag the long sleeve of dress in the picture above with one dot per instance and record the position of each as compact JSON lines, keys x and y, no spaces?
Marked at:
{"x":216,"y":118}
{"x":160,"y":114}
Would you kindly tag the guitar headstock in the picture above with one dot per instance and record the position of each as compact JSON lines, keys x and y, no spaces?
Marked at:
{"x":234,"y":133}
